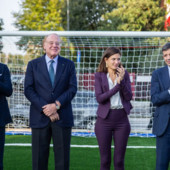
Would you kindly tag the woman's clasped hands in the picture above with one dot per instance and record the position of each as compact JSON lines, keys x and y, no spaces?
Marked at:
{"x":120,"y":74}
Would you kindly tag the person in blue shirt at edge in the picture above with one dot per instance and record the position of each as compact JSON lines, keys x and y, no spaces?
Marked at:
{"x":50,"y":85}
{"x":5,"y":117}
{"x":160,"y":97}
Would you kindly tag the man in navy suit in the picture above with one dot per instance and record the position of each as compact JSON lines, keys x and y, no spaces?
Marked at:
{"x":160,"y":97}
{"x":50,"y":85}
{"x":5,"y":91}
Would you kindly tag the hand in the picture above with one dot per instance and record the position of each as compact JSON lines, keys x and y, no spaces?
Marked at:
{"x":49,"y":109}
{"x":54,"y":117}
{"x":120,"y":74}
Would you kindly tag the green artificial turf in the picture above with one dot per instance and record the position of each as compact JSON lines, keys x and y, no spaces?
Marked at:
{"x":19,"y":157}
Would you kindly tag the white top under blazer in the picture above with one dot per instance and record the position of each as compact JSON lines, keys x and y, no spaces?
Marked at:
{"x":115,"y":100}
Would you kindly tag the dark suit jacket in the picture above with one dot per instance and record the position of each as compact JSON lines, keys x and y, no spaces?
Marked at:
{"x":5,"y":91}
{"x":160,"y":98}
{"x":39,"y":91}
{"x":103,"y":93}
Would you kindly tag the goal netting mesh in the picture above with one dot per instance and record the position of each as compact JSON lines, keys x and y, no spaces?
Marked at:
{"x":141,"y":54}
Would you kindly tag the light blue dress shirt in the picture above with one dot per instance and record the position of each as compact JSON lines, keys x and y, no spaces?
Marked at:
{"x":54,"y":63}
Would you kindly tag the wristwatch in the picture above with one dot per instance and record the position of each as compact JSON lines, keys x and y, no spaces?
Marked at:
{"x":57,"y":106}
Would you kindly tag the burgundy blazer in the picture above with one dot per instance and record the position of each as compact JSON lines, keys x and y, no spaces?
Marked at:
{"x":103,"y":93}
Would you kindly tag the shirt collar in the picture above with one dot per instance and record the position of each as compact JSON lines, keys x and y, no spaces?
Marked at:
{"x":49,"y":59}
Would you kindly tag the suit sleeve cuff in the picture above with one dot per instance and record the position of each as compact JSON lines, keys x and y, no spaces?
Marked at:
{"x":169,"y":91}
{"x":122,"y":82}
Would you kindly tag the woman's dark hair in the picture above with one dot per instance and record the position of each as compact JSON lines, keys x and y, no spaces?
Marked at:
{"x":108,"y":52}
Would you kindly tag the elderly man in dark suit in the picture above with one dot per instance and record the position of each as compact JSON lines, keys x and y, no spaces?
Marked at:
{"x":160,"y":97}
{"x":50,"y":85}
{"x":5,"y":91}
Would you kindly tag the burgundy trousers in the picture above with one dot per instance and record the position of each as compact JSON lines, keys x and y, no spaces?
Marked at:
{"x":116,"y":126}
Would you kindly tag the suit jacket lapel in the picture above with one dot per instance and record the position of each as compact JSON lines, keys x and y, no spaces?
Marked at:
{"x":105,"y":82}
{"x":59,"y":71}
{"x":165,"y":77}
{"x":44,"y":70}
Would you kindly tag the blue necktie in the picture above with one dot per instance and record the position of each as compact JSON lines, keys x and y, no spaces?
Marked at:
{"x":51,"y":72}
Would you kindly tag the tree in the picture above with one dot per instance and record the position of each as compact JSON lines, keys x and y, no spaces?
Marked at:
{"x":39,"y":15}
{"x":52,"y":14}
{"x":136,"y":15}
{"x":86,"y":15}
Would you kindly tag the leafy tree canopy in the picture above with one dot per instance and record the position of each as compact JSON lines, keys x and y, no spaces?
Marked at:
{"x":87,"y":14}
{"x":52,"y":14}
{"x":136,"y":15}
{"x":40,"y":15}
{"x":112,"y":15}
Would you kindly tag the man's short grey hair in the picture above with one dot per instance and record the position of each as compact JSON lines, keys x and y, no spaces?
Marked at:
{"x":48,"y":36}
{"x":166,"y":47}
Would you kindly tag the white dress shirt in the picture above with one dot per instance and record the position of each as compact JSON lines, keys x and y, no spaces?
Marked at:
{"x":115,"y":100}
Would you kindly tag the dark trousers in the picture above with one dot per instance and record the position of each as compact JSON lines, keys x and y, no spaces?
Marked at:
{"x":2,"y":142}
{"x":40,"y":147}
{"x":115,"y":126}
{"x":163,"y":150}
{"x":67,"y":142}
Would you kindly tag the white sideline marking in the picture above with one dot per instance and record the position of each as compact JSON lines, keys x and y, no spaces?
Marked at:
{"x":82,"y":146}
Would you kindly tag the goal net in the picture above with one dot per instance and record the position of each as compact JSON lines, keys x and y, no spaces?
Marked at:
{"x":141,"y":54}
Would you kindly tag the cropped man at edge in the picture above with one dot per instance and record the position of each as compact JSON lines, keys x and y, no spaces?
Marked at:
{"x":160,"y":97}
{"x":5,"y":117}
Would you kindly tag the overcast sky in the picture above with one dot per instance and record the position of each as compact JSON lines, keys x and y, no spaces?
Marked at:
{"x":6,"y":9}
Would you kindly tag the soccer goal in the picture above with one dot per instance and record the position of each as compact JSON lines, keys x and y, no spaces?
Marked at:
{"x":141,"y":54}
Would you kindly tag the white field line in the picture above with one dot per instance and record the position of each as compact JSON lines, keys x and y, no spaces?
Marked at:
{"x":82,"y":146}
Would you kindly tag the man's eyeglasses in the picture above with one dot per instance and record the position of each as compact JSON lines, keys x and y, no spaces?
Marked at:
{"x":54,"y":43}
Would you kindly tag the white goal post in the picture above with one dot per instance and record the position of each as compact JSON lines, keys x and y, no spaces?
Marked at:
{"x":141,"y":54}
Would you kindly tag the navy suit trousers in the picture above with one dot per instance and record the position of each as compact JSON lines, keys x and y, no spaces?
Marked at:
{"x":2,"y":142}
{"x":163,"y":150}
{"x":41,"y":139}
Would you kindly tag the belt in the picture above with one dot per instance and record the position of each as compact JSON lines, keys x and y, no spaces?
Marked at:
{"x":117,"y":107}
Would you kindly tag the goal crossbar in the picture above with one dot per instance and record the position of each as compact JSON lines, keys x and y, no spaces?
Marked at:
{"x":88,"y":33}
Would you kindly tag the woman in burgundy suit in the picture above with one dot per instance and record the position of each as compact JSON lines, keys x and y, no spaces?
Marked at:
{"x":113,"y":93}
